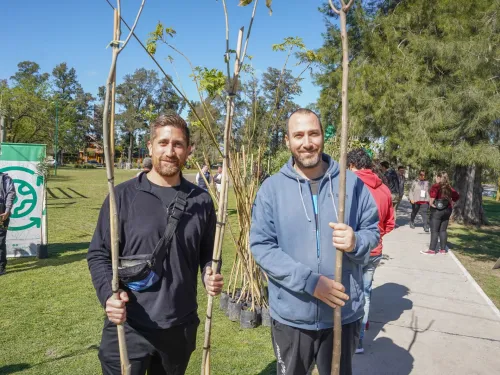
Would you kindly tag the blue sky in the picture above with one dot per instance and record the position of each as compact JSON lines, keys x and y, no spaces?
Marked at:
{"x":77,"y":32}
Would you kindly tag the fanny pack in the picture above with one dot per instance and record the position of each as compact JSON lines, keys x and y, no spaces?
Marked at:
{"x":441,"y":204}
{"x":141,"y":271}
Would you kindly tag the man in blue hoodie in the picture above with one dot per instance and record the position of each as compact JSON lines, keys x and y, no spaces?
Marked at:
{"x":291,"y":239}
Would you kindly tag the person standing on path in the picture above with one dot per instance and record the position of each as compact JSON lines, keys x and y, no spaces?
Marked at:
{"x":200,"y":181}
{"x":361,"y":164}
{"x":218,"y":180}
{"x":7,"y":197}
{"x":402,"y":181}
{"x":442,"y":196}
{"x":157,"y":307}
{"x":291,"y":239}
{"x":393,"y":184}
{"x":419,"y":199}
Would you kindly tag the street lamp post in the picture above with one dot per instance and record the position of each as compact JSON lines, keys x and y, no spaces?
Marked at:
{"x":55,"y":139}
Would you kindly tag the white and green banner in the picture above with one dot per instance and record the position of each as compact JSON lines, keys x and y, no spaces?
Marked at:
{"x":26,"y":229}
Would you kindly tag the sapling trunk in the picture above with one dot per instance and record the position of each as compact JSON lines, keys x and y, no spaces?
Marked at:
{"x":337,"y":315}
{"x":108,"y":135}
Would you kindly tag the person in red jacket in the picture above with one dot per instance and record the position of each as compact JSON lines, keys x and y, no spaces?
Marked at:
{"x":361,"y":164}
{"x":442,"y":197}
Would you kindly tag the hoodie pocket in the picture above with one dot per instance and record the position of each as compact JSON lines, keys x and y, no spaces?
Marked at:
{"x":295,"y":307}
{"x":353,"y":278}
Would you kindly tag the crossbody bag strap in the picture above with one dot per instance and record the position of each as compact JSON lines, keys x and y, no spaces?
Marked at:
{"x":161,"y":249}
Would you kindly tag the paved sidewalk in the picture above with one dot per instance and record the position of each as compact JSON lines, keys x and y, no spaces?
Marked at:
{"x":427,"y":316}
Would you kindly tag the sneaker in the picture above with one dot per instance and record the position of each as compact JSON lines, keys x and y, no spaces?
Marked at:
{"x":359,"y":349}
{"x":412,"y":225}
{"x":428,"y":252}
{"x":426,"y":229}
{"x":442,"y":251}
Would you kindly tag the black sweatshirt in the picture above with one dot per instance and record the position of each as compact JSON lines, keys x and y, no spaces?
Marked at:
{"x":142,"y":222}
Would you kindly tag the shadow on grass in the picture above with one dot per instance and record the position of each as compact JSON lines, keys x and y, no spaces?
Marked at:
{"x":59,"y":178}
{"x":58,"y":256}
{"x":269,"y":370}
{"x":11,"y":369}
{"x":483,"y":243}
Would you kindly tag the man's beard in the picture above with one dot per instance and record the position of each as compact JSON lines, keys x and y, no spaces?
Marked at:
{"x":169,"y":169}
{"x":308,"y":161}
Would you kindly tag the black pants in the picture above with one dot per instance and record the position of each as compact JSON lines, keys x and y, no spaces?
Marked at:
{"x":3,"y":247}
{"x":159,"y":352}
{"x":414,"y":211}
{"x":439,"y":226}
{"x":297,"y":349}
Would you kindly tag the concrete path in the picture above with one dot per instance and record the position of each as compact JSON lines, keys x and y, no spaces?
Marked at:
{"x":428,"y":316}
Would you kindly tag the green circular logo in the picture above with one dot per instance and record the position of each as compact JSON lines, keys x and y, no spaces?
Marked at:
{"x":26,"y":197}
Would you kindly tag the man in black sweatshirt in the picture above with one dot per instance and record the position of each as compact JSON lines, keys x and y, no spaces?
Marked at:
{"x":161,"y":320}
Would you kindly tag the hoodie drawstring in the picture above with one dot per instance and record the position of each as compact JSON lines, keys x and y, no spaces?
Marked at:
{"x":333,"y":198}
{"x":302,"y":199}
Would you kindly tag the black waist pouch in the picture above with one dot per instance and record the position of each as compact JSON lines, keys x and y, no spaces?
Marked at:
{"x":141,"y":271}
{"x":441,"y":204}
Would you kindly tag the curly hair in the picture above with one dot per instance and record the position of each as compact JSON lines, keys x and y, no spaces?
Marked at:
{"x":359,"y":158}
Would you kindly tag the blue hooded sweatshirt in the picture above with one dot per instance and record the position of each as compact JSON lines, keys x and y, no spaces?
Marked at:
{"x":294,"y":253}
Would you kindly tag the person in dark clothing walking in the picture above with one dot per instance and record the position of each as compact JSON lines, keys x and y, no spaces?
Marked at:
{"x":199,"y":178}
{"x":419,"y":199}
{"x":442,"y":196}
{"x":294,"y":236}
{"x":160,"y":316}
{"x":7,"y":196}
{"x":392,"y":184}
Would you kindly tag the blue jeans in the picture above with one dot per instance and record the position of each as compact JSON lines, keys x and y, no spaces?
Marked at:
{"x":368,"y":272}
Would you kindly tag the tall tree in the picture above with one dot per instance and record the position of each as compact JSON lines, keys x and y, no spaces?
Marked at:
{"x":28,"y":72}
{"x":74,"y":110}
{"x":279,"y":88}
{"x":135,"y":95}
{"x":26,"y":105}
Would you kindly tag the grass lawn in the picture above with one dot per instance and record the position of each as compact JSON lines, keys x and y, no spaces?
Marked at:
{"x":50,"y":319}
{"x":479,"y":249}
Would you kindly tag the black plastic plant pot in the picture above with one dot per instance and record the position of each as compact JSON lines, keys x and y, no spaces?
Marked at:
{"x":258,"y":309}
{"x":248,"y":318}
{"x":266,"y":317}
{"x":234,"y":310}
{"x":223,"y":301}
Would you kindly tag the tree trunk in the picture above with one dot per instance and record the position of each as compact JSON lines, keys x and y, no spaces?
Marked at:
{"x":469,"y":208}
{"x":130,"y":146}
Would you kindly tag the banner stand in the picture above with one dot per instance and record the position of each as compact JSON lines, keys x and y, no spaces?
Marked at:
{"x":27,"y":233}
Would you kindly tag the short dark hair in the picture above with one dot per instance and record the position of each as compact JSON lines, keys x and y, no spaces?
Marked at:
{"x":422,"y":170}
{"x":401,"y":167}
{"x":303,"y":111}
{"x":169,"y":119}
{"x":385,"y":164}
{"x":359,"y":158}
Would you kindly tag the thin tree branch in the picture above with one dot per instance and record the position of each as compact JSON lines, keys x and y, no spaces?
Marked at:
{"x":134,"y":25}
{"x":248,"y":33}
{"x":227,"y":41}
{"x":348,"y":6}
{"x":202,"y":100}
{"x":333,"y":7}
